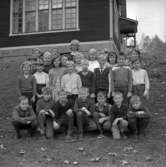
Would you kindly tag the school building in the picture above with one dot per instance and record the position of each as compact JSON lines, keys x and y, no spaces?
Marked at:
{"x":46,"y":24}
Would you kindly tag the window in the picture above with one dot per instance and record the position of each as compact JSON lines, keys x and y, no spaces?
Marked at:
{"x":37,"y":16}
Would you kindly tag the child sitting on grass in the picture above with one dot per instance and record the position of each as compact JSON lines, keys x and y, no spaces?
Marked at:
{"x":118,"y":117}
{"x":101,"y":114}
{"x":23,"y":117}
{"x":141,"y":84}
{"x":64,"y":117}
{"x":138,"y":116}
{"x":44,"y":113}
{"x":27,"y":82}
{"x":83,"y":108}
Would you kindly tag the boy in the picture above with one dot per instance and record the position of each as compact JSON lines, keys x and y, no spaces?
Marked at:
{"x":101,"y":114}
{"x":64,"y":116}
{"x":118,"y":115}
{"x":121,"y":78}
{"x":101,"y":76}
{"x":47,"y":61}
{"x":77,"y":60}
{"x":93,"y":63}
{"x":74,"y":47}
{"x":44,"y":113}
{"x":141,"y":83}
{"x":24,"y":117}
{"x":87,"y":78}
{"x":27,"y":82}
{"x":83,"y":108}
{"x":138,"y":116}
{"x":71,"y":82}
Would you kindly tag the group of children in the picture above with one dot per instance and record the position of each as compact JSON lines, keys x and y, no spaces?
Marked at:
{"x":104,"y":92}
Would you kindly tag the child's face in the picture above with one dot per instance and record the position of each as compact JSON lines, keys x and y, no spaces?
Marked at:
{"x":62,"y":97}
{"x":39,"y":68}
{"x":136,"y":104}
{"x":36,"y":54}
{"x":57,"y":62}
{"x":64,"y":60}
{"x":77,"y":59}
{"x":112,"y":59}
{"x":26,"y":69}
{"x":83,"y":94}
{"x":101,"y":99}
{"x":70,"y":68}
{"x":118,"y":99}
{"x":74,"y":47}
{"x":93,"y":56}
{"x":136,"y":65}
{"x":102,"y":61}
{"x":46,"y":96}
{"x":84,"y":66}
{"x":121,"y":60}
{"x":47,"y":59}
{"x":24,"y":104}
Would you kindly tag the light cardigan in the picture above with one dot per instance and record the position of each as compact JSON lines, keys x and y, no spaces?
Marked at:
{"x":93,"y":65}
{"x":41,"y":78}
{"x":140,"y":76}
{"x":71,"y":83}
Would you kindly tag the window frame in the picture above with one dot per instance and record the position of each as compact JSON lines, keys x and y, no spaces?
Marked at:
{"x":50,"y":30}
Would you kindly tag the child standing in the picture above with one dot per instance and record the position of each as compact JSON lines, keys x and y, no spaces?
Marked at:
{"x":121,"y":78}
{"x":141,"y":83}
{"x":44,"y":113}
{"x":101,"y":76}
{"x":71,"y":82}
{"x":138,"y":116}
{"x":118,"y":115}
{"x":55,"y":75}
{"x":27,"y":82}
{"x":78,"y":57}
{"x":42,"y":78}
{"x":47,"y":61}
{"x":24,"y":117}
{"x":63,"y":110}
{"x":93,"y":62}
{"x":101,"y":114}
{"x":74,"y":47}
{"x":87,"y":78}
{"x":83,"y":108}
{"x":112,"y":59}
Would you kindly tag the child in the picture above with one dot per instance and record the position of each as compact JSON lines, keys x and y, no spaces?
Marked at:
{"x":36,"y":53}
{"x":138,"y":116}
{"x":63,"y":111}
{"x":55,"y":75}
{"x":27,"y":82}
{"x":71,"y":82}
{"x":74,"y":47}
{"x":93,"y":63}
{"x":64,"y":60}
{"x":77,"y":60}
{"x":83,"y":108}
{"x":121,"y":78}
{"x":101,"y":114}
{"x":47,"y":60}
{"x":140,"y":77}
{"x":101,"y":76}
{"x":87,"y":78}
{"x":44,"y":113}
{"x":24,"y":117}
{"x":118,"y":115}
{"x":42,"y":78}
{"x":112,"y":59}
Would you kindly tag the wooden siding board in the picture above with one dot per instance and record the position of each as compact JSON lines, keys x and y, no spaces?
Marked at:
{"x":93,"y":24}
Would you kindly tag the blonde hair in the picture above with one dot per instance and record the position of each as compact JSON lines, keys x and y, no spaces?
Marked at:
{"x":135,"y":98}
{"x":26,"y":63}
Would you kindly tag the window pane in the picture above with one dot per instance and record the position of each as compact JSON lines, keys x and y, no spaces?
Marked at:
{"x":43,"y":20}
{"x":57,"y":3}
{"x":30,"y":5}
{"x":57,"y":21}
{"x":17,"y":16}
{"x":43,"y":4}
{"x":30,"y":19}
{"x":70,"y":3}
{"x":70,"y":18}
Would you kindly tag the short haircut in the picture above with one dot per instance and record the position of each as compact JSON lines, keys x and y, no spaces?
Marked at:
{"x":47,"y":53}
{"x":102,"y":56}
{"x":26,"y":63}
{"x":92,"y":51}
{"x":118,"y":94}
{"x":101,"y":93}
{"x":22,"y":98}
{"x":135,"y":98}
{"x":75,"y":42}
{"x":84,"y":61}
{"x":46,"y":91}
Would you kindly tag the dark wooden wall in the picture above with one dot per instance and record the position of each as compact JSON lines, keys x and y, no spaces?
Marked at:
{"x":93,"y":24}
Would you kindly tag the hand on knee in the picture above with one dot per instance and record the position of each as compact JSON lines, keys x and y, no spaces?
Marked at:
{"x":69,"y":112}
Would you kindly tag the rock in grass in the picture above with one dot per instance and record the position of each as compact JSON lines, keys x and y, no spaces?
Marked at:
{"x":22,"y":152}
{"x":75,"y":163}
{"x":81,"y":149}
{"x":148,"y":158}
{"x":124,"y":162}
{"x":112,"y":154}
{"x":66,"y":162}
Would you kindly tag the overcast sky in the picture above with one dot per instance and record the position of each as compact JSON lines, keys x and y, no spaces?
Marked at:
{"x":151,"y":15}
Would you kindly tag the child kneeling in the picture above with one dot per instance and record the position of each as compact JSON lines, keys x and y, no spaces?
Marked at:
{"x":138,"y":116}
{"x":119,"y":123}
{"x":24,"y":117}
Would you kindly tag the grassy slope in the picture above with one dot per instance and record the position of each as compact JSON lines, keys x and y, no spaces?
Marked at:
{"x":153,"y":145}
